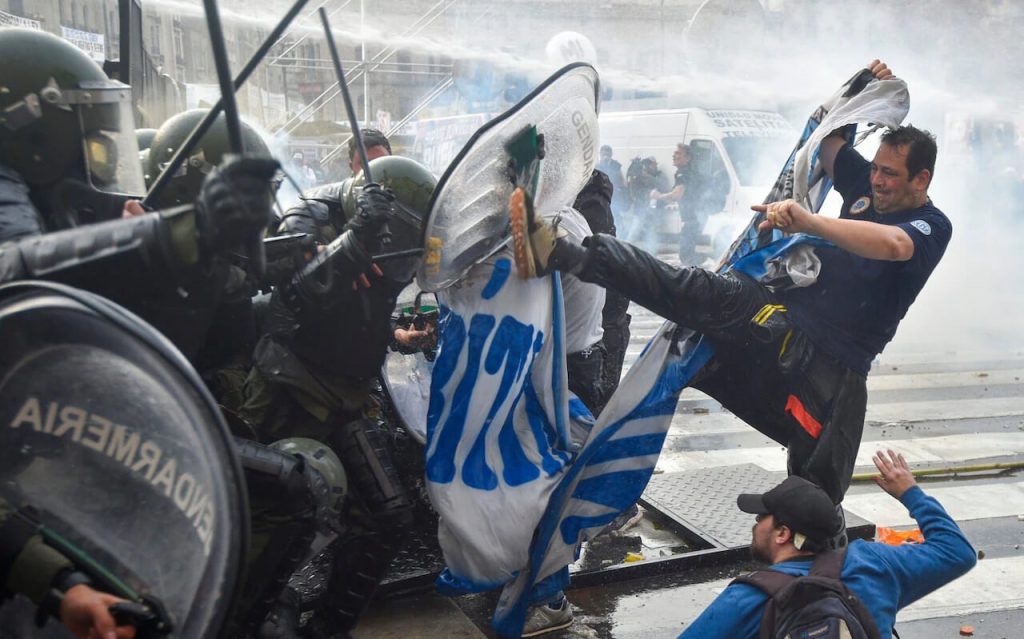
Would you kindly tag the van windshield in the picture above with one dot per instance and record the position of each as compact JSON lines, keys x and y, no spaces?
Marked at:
{"x":757,"y":160}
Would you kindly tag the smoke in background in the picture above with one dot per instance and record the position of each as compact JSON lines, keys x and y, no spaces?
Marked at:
{"x":780,"y":55}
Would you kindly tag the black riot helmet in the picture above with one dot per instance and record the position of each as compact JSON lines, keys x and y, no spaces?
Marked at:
{"x":413,"y":185}
{"x":213,"y":146}
{"x":144,"y":137}
{"x":61,"y":117}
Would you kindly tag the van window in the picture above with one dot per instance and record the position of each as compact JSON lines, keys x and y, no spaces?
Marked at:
{"x":705,"y":158}
{"x":757,"y":160}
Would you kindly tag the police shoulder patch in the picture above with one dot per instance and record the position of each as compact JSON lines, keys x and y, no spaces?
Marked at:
{"x":860,"y":205}
{"x":922,"y":226}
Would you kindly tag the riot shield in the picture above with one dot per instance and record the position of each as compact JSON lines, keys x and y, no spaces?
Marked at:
{"x":407,"y":382}
{"x":110,"y":437}
{"x":406,"y":376}
{"x":468,"y":218}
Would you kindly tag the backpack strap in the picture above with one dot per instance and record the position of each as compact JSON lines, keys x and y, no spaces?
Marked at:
{"x":770,"y":582}
{"x":829,"y":563}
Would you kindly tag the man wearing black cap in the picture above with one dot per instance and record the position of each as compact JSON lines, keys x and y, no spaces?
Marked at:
{"x":799,"y":505}
{"x":796,"y":520}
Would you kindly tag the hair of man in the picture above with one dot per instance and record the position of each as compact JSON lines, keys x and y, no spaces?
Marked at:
{"x":371,"y":137}
{"x":920,"y":146}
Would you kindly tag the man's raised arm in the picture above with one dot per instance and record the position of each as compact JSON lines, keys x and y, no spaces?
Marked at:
{"x":834,"y":141}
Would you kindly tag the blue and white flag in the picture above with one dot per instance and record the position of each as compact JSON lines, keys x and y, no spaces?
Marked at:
{"x":498,"y":437}
{"x":860,"y":100}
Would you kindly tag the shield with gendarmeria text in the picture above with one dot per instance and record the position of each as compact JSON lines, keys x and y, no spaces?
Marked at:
{"x":113,"y":447}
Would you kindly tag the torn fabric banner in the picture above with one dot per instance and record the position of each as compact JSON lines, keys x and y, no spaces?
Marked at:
{"x":617,"y":460}
{"x":498,"y":438}
{"x":861,"y":100}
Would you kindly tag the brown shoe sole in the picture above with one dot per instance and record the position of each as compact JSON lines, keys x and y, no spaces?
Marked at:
{"x":522,"y":252}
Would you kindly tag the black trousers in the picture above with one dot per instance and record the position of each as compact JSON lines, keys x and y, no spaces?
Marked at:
{"x":689,"y":237}
{"x":615,"y":322}
{"x":585,"y":370}
{"x":765,"y":371}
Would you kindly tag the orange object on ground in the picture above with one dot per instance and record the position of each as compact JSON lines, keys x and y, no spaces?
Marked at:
{"x":898,"y":537}
{"x":966,"y":631}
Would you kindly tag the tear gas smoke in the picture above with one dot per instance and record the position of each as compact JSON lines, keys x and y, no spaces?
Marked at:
{"x":785,"y":56}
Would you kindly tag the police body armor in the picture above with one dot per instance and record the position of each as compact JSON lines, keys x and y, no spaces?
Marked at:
{"x":111,"y":439}
{"x":339,"y":344}
{"x":319,"y":213}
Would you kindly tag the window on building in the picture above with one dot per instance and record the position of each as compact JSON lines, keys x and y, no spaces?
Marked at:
{"x":179,"y":41}
{"x":154,"y":38}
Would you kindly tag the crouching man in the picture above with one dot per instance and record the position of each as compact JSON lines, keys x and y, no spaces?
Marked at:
{"x":795,"y":521}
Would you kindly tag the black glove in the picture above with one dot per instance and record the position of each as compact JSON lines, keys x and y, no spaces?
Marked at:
{"x":235,"y":203}
{"x":339,"y":262}
{"x":373,"y":210}
{"x":281,"y":320}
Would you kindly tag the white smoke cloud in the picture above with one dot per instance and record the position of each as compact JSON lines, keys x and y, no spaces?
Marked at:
{"x":959,"y":60}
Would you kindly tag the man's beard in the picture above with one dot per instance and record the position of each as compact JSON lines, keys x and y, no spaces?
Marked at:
{"x":757,"y":552}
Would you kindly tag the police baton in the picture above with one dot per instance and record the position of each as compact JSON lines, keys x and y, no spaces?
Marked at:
{"x":182,"y":152}
{"x":385,"y":234}
{"x":254,"y":245}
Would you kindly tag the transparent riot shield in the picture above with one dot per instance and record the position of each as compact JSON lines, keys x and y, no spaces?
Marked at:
{"x":406,"y":376}
{"x":108,"y":434}
{"x":468,"y":218}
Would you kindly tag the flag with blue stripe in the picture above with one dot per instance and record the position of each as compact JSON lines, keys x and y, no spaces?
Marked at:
{"x":498,"y":435}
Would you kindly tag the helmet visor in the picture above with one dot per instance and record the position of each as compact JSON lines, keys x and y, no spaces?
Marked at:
{"x":109,"y":145}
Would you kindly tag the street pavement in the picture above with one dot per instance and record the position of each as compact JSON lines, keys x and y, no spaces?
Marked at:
{"x":942,"y":407}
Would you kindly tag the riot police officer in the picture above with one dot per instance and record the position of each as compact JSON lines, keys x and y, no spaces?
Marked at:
{"x":315,"y":369}
{"x":69,"y":163}
{"x":290,"y":481}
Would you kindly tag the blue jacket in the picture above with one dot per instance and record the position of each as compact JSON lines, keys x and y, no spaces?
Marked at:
{"x":886,"y":578}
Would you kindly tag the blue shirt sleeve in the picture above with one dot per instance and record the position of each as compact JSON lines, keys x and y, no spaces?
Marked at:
{"x":945,"y":554}
{"x":930,"y":233}
{"x":734,"y":614}
{"x":850,"y":172}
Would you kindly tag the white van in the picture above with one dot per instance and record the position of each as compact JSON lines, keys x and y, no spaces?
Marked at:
{"x":750,"y":146}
